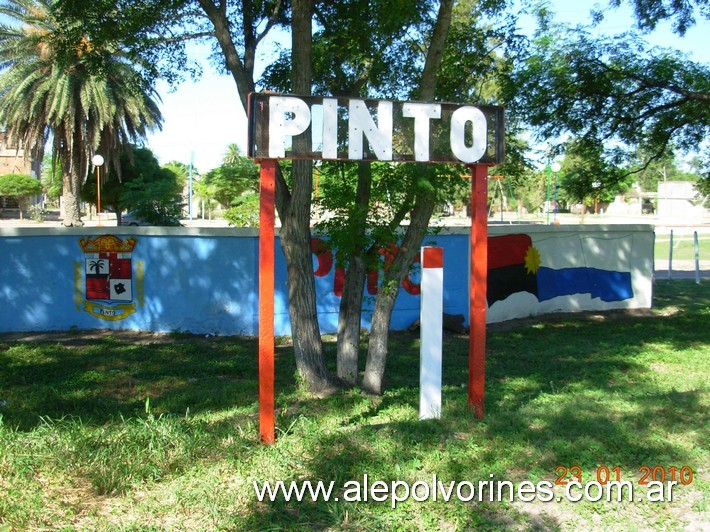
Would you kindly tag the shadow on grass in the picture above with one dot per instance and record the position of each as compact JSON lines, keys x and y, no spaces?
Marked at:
{"x":623,"y":392}
{"x":570,"y":393}
{"x":109,"y":379}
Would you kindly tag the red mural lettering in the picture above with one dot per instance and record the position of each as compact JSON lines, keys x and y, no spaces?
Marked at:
{"x":409,"y":286}
{"x":325,"y":264}
{"x":372,"y":282}
{"x":389,"y":252}
{"x":339,"y":281}
{"x":325,"y":257}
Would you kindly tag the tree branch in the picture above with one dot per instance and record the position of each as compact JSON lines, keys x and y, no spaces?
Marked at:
{"x":270,"y":23}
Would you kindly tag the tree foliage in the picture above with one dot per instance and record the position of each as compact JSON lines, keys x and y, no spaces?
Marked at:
{"x":235,"y":176}
{"x":586,"y":174}
{"x":21,"y":187}
{"x":152,"y":192}
{"x":57,"y":83}
{"x":615,"y":92}
{"x":665,"y":168}
{"x":18,"y":185}
{"x":51,"y":177}
{"x":182,"y":172}
{"x":681,"y":13}
{"x":244,"y":211}
{"x":158,"y":202}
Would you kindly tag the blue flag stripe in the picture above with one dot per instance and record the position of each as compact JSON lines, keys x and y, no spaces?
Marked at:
{"x":604,"y":284}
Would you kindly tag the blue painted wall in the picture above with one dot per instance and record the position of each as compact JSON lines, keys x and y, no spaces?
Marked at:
{"x":202,"y":284}
{"x":205,"y":280}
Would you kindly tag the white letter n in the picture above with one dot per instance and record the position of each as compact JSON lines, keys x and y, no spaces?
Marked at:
{"x":361,"y":124}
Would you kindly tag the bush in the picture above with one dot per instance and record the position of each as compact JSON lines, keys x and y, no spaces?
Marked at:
{"x":244,"y":212}
{"x":36,"y":212}
{"x":21,"y":187}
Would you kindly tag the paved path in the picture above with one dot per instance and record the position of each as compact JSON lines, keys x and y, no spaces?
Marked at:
{"x":682,"y":269}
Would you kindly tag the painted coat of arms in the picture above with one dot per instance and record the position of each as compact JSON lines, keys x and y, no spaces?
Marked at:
{"x":112,"y":285}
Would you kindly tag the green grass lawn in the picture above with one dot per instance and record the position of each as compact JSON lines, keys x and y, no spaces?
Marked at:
{"x":683,"y":247}
{"x":112,"y":434}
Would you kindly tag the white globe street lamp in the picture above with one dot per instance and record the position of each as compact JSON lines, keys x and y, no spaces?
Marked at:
{"x":596,"y":185}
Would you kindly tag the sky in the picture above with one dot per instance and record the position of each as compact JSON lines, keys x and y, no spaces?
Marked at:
{"x":202,"y":117}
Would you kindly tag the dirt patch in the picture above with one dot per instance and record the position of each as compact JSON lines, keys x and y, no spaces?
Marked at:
{"x":588,"y":316}
{"x":79,"y":338}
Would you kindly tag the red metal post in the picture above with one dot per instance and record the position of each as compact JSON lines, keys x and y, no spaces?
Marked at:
{"x":478,"y":287}
{"x":267,"y":202}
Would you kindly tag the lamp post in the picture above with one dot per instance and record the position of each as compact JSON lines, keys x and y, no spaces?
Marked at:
{"x":555,"y":168}
{"x":97,"y":161}
{"x":189,"y":199}
{"x":596,"y":185}
{"x":547,"y":196}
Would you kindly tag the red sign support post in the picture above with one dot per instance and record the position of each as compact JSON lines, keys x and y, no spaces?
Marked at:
{"x":267,"y":202}
{"x":478,"y":288}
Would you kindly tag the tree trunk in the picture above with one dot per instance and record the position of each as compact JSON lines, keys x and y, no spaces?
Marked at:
{"x":296,"y":245}
{"x":295,"y":214}
{"x":243,"y":77}
{"x":294,"y":208}
{"x":419,"y":224}
{"x":391,"y":281}
{"x":71,"y":183}
{"x":435,"y":53}
{"x":72,"y":210}
{"x":350,"y":315}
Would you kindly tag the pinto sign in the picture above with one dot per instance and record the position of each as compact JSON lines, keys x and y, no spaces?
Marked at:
{"x":349,"y":129}
{"x":373,"y":130}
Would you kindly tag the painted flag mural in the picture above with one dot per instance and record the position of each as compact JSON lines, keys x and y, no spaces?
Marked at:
{"x":579,"y":264}
{"x":559,"y":266}
{"x":512,"y":266}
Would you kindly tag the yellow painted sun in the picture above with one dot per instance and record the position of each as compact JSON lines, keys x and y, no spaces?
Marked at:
{"x":532,"y":260}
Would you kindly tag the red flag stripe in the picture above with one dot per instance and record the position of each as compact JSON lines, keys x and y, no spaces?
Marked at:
{"x":507,"y":250}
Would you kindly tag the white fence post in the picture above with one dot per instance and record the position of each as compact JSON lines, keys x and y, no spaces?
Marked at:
{"x":670,"y":256}
{"x":431,"y":320}
{"x":697,"y":258}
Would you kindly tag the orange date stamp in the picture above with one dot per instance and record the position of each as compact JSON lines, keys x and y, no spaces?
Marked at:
{"x":604,"y":474}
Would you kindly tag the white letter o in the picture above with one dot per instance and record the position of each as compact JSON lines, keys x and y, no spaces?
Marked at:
{"x":459,"y":118}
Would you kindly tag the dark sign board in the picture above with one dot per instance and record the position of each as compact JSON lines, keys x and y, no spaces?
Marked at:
{"x":321,"y":128}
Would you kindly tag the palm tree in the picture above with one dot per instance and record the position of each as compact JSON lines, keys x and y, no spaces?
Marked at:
{"x":60,"y":87}
{"x":232,"y":155}
{"x":96,"y":266}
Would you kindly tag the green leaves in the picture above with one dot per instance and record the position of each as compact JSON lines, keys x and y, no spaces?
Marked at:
{"x":244,"y":212}
{"x":682,"y":13}
{"x":587,"y":174}
{"x":233,"y":178}
{"x":155,"y":202}
{"x":19,"y":185}
{"x":152,"y":192}
{"x":612,"y":90}
{"x":60,"y":84}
